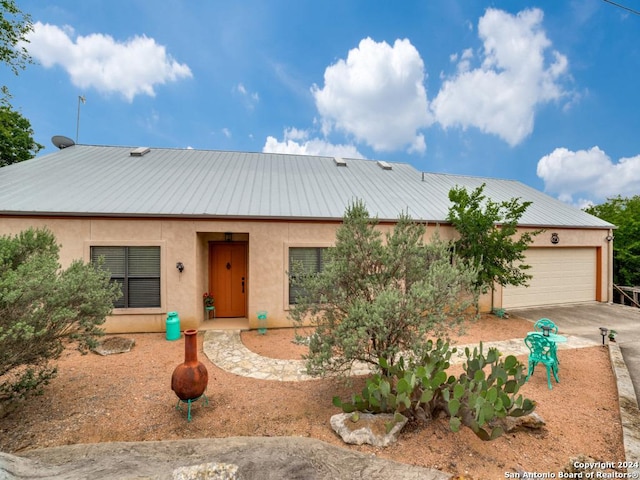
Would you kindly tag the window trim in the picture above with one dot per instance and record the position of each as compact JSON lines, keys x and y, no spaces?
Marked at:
{"x":288,"y":306}
{"x":163,"y":273}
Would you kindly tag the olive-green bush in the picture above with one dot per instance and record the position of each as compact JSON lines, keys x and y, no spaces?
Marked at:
{"x":43,"y":308}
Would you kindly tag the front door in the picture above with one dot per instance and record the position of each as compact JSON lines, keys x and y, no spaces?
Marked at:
{"x":228,"y":278}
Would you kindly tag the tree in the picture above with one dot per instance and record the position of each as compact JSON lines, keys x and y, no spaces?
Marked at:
{"x":488,"y":236}
{"x":624,"y":213}
{"x":43,"y":308}
{"x":374,"y":299}
{"x":16,"y":137}
{"x":14,"y":28}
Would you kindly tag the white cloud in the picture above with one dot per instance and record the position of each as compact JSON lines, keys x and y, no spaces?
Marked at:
{"x":297,"y":141}
{"x":250,"y":98}
{"x":149,"y":121}
{"x":377,"y":95}
{"x":130,"y":68}
{"x":514,"y":77}
{"x":589,"y":175}
{"x":465,"y":60}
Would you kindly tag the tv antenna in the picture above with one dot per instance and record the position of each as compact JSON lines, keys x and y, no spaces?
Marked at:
{"x":81,"y":99}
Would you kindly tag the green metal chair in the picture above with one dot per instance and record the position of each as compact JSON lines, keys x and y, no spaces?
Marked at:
{"x":543,"y":323}
{"x":542,"y":350}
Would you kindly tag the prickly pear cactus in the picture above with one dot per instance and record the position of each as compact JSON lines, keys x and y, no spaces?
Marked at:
{"x":486,"y":391}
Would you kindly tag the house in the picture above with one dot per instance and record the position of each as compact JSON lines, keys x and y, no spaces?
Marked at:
{"x":173,"y":224}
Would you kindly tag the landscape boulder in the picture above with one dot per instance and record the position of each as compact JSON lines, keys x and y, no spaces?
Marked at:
{"x":368,"y":428}
{"x":207,"y":471}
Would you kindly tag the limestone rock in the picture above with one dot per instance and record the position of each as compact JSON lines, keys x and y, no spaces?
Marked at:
{"x":207,"y":471}
{"x":369,"y":428}
{"x":258,"y":458}
{"x":532,"y":421}
{"x":573,"y":466}
{"x":112,"y":345}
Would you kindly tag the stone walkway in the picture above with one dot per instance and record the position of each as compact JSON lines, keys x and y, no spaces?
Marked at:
{"x":225,"y":350}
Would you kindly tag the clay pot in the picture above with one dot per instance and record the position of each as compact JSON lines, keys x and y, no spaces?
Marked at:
{"x":189,"y":379}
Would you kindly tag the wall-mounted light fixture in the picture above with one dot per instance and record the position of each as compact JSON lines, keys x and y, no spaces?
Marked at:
{"x":608,"y":238}
{"x":180,"y":266}
{"x":228,"y":237}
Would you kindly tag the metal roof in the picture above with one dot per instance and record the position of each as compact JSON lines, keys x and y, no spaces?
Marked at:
{"x":90,"y":180}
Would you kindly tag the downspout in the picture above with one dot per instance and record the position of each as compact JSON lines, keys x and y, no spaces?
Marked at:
{"x":610,"y":266}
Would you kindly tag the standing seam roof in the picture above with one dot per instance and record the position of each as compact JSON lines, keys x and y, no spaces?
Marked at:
{"x":107,"y":181}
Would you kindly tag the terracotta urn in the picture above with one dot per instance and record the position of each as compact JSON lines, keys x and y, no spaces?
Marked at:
{"x":189,"y":379}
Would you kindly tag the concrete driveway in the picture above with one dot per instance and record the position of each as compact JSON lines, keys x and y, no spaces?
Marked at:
{"x":584,"y":320}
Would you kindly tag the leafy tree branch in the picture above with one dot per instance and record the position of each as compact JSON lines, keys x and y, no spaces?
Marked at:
{"x":489,"y":237}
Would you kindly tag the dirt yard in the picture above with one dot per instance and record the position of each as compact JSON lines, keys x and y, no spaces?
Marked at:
{"x":127,"y":397}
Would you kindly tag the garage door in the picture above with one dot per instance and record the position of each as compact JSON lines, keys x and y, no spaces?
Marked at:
{"x":560,"y":275}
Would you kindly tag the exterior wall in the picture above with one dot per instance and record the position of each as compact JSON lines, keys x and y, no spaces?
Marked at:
{"x":574,"y":237}
{"x":186,"y":241}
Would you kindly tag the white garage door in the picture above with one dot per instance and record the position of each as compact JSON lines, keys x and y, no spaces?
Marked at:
{"x":560,"y":275}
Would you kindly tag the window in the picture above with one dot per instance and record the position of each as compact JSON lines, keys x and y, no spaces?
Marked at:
{"x":312,"y":260}
{"x":137,"y":270}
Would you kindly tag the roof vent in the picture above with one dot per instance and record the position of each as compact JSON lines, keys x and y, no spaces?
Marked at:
{"x":140,"y":151}
{"x":384,"y":165}
{"x":340,"y":162}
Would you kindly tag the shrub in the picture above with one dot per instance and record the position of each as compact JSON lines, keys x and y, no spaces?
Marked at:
{"x":374,"y":298}
{"x":43,"y":308}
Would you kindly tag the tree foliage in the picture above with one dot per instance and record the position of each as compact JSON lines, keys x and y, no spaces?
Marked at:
{"x":488,"y":237}
{"x":14,"y":28}
{"x":375,"y":298}
{"x":43,"y":308}
{"x":624,"y":213}
{"x":16,"y":137}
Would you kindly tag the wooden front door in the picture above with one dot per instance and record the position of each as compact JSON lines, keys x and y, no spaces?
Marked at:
{"x":228,"y":278}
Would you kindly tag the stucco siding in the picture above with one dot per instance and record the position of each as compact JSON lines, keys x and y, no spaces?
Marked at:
{"x":187,"y":241}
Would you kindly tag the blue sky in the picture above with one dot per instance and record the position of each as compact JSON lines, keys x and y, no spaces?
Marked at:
{"x":541,"y":92}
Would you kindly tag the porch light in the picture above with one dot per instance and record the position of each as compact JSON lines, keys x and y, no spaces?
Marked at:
{"x":228,"y":237}
{"x":603,"y":332}
{"x":546,"y":330}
